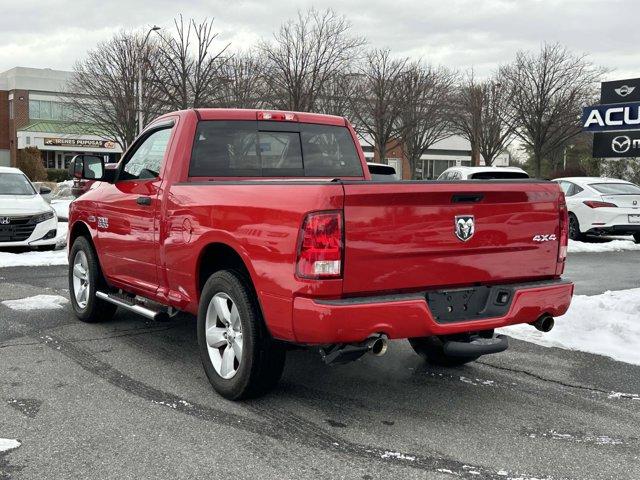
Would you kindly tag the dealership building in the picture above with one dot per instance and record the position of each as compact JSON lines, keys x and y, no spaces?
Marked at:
{"x":35,"y":112}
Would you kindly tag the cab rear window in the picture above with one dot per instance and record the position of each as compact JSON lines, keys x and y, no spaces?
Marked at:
{"x":269,"y":149}
{"x":498,"y":175}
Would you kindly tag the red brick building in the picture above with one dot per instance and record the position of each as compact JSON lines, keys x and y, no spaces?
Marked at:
{"x":35,"y":112}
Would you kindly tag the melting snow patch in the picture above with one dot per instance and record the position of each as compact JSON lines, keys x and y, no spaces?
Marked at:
{"x":38,"y":302}
{"x":33,"y":259}
{"x":398,"y":455}
{"x":7,"y":444}
{"x":478,"y":381}
{"x":612,"y":246}
{"x":605,"y":324}
{"x":629,"y":396}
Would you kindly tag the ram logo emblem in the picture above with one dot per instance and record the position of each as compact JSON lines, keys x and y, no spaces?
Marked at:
{"x":464,"y":227}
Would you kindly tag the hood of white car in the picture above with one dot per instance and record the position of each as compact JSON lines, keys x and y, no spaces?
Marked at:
{"x":22,"y":205}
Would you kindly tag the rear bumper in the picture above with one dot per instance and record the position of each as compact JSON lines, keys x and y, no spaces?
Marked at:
{"x":405,"y":316}
{"x":628,"y":229}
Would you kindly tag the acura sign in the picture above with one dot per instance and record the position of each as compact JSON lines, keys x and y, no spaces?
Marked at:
{"x":600,"y":118}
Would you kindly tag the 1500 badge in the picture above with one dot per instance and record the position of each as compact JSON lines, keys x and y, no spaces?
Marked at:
{"x":544,"y":238}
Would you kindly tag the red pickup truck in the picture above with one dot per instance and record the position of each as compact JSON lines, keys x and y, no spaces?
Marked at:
{"x":268,"y":227}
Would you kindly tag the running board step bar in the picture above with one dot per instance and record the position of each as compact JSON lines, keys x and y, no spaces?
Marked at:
{"x":129,"y":303}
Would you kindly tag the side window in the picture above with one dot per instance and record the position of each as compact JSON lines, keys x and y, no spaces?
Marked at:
{"x":565,"y":186}
{"x":146,"y":160}
{"x":576,"y":189}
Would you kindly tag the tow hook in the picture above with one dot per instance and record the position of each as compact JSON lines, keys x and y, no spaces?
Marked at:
{"x":544,"y":323}
{"x":348,"y":352}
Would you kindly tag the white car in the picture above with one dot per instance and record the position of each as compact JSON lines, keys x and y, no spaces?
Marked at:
{"x":482,"y":173}
{"x":601,"y":206}
{"x":26,"y":219}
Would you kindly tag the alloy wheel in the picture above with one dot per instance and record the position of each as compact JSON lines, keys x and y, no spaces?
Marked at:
{"x":81,"y":280}
{"x":224,"y":335}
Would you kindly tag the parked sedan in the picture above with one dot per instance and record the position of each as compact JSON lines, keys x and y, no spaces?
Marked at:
{"x":601,"y":206}
{"x":26,"y":219}
{"x":482,"y":173}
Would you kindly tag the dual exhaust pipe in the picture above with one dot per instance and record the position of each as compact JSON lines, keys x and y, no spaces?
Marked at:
{"x":544,"y":323}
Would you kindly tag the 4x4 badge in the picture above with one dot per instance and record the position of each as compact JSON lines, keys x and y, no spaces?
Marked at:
{"x":464,"y":227}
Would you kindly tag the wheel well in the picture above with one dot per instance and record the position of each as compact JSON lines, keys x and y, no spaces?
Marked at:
{"x":79,"y":230}
{"x":219,"y":256}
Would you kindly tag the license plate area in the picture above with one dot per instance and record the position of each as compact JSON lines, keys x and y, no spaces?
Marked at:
{"x":467,"y":304}
{"x":633,"y":218}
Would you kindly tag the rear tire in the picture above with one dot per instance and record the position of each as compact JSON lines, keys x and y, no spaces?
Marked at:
{"x":636,"y":237}
{"x":574,"y":228}
{"x":431,"y":349}
{"x":238,"y":355}
{"x":85,"y":279}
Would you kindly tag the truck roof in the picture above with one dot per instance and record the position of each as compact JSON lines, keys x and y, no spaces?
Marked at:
{"x":252,"y":114}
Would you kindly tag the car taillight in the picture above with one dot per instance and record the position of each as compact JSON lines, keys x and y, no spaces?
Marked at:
{"x":320,"y":246}
{"x":564,"y":232}
{"x":278,"y":116}
{"x":595,"y":204}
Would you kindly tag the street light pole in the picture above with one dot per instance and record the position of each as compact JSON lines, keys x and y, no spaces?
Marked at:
{"x":155,"y":28}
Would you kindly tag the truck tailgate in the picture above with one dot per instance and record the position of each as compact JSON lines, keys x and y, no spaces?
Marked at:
{"x":402,"y":236}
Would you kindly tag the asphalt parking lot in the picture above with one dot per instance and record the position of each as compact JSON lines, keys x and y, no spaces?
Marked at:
{"x":129,"y":399}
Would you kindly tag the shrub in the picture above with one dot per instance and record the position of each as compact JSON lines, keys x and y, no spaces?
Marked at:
{"x":57,"y":175}
{"x":30,"y":162}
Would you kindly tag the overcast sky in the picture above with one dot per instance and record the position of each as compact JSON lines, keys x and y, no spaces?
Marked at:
{"x":458,"y":33}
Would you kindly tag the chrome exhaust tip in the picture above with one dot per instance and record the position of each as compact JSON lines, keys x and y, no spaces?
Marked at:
{"x":545,"y":323}
{"x":377,"y":345}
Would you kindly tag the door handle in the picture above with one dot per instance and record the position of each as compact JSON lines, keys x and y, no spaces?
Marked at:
{"x":143,"y":201}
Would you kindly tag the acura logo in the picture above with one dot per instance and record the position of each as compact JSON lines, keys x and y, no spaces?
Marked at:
{"x":624,"y":90}
{"x":464,"y":227}
{"x":621,"y":144}
{"x":5,"y":220}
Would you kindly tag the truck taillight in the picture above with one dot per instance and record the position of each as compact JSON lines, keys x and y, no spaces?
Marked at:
{"x":320,"y":246}
{"x":277,"y":116}
{"x":564,"y":231}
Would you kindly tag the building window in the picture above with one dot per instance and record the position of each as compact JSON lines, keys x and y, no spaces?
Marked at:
{"x":11,"y":109}
{"x":49,"y":110}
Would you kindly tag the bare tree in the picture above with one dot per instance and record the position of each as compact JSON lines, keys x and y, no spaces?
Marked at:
{"x":184,"y":68}
{"x":242,"y":82}
{"x":546,"y":91}
{"x":425,"y":93}
{"x":482,"y":115}
{"x":335,"y":97}
{"x":305,"y":54}
{"x":377,"y":101}
{"x":102,"y":90}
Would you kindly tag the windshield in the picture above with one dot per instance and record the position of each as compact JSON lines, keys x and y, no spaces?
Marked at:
{"x":616,"y":188}
{"x":15,"y":184}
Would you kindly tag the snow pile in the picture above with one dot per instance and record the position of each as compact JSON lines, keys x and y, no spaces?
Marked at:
{"x":62,"y":208}
{"x":61,"y":237}
{"x":37,"y":302}
{"x":612,"y":246}
{"x":8,"y":444}
{"x":33,"y":259}
{"x":606,"y":324}
{"x":63,"y":190}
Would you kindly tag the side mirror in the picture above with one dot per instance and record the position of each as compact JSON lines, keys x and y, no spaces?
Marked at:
{"x":44,"y":190}
{"x":86,"y":166}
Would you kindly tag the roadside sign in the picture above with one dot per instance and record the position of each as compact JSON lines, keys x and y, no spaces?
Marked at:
{"x":616,"y":144}
{"x":618,"y":91}
{"x":619,"y":116}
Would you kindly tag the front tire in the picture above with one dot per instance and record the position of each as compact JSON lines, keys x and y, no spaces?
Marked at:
{"x":238,"y":355}
{"x":431,"y":349}
{"x":85,"y":278}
